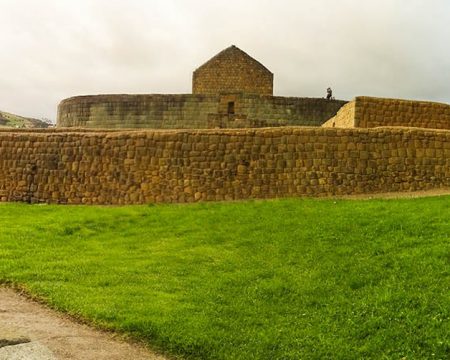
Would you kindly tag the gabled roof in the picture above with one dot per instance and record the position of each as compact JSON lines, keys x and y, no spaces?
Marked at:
{"x":233,"y":51}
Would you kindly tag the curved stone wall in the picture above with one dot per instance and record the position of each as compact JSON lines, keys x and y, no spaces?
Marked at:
{"x":189,"y":111}
{"x":136,"y":111}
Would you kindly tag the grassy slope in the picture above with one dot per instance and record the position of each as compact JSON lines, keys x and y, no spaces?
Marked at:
{"x":290,"y":279}
{"x":14,"y":121}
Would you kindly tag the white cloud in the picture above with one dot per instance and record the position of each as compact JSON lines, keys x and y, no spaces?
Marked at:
{"x":54,"y":49}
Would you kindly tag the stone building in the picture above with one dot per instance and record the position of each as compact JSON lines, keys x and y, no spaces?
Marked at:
{"x":231,"y":90}
{"x":230,"y":71}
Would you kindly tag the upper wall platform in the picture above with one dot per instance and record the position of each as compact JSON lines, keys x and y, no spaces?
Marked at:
{"x":370,"y":112}
{"x":193,"y":111}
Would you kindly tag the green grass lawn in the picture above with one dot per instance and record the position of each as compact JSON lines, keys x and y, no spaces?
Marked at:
{"x":287,"y":279}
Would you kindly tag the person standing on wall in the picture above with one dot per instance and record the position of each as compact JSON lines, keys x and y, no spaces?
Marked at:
{"x":329,"y":93}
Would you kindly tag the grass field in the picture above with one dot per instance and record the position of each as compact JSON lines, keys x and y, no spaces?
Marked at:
{"x":287,"y":279}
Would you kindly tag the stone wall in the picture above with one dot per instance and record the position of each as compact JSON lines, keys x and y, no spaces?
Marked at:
{"x":285,"y":111}
{"x":345,"y":117}
{"x":369,"y":112}
{"x":373,"y":112}
{"x":191,"y":111}
{"x":136,"y":111}
{"x":232,"y":70}
{"x":133,"y":167}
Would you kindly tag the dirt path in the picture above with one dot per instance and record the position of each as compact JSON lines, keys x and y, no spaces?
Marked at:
{"x":30,"y":331}
{"x":397,"y":195}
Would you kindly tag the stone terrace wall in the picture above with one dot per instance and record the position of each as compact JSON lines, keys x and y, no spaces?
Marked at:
{"x":373,"y":112}
{"x":190,"y":111}
{"x":369,"y":112}
{"x":184,"y":166}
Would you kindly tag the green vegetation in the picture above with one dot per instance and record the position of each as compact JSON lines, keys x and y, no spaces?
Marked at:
{"x":287,"y":279}
{"x":16,"y":121}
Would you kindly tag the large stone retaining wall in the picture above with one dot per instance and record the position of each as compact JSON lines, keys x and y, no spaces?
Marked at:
{"x":133,"y":167}
{"x":192,"y":111}
{"x":370,"y":112}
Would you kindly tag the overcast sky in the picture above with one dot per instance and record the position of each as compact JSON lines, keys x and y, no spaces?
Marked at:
{"x":54,"y":49}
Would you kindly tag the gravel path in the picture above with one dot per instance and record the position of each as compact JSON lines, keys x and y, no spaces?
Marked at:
{"x":30,"y":331}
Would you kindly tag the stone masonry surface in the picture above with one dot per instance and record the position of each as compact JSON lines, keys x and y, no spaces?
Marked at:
{"x":192,"y":111}
{"x":345,"y":117}
{"x":370,"y":112}
{"x":232,"y":70}
{"x":135,"y":167}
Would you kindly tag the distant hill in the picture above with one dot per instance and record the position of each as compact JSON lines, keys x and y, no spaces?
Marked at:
{"x":8,"y":120}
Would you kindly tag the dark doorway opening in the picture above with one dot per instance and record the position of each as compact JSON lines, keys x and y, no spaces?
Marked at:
{"x":231,"y":107}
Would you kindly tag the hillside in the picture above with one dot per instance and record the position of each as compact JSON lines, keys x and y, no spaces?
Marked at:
{"x":16,"y":121}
